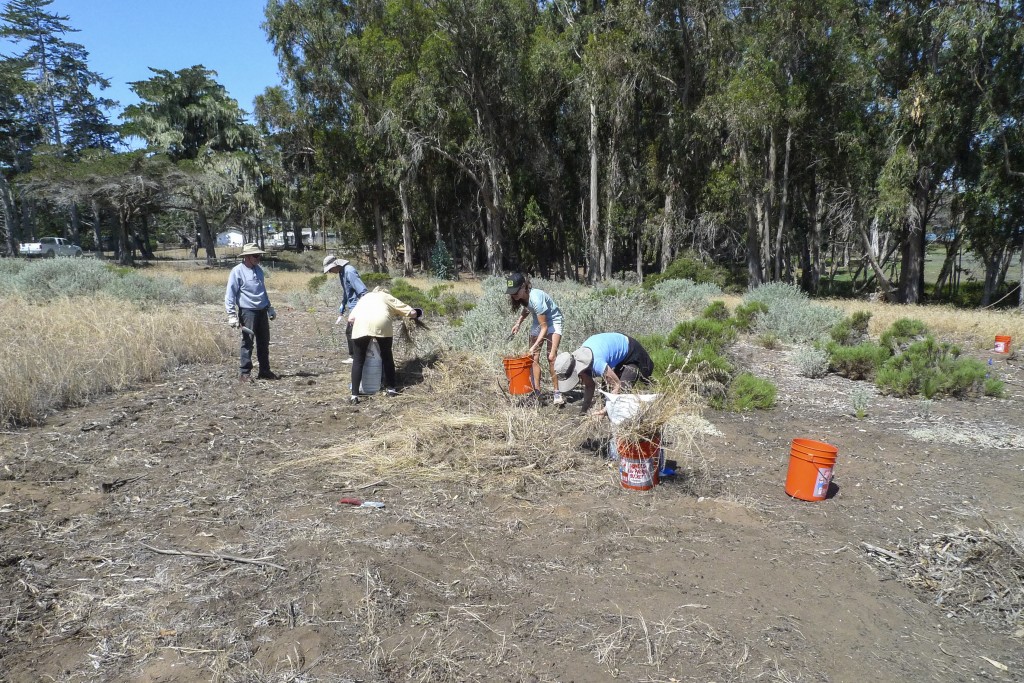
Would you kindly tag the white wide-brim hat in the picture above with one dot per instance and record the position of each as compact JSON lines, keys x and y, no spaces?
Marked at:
{"x":568,"y":367}
{"x":251,"y":249}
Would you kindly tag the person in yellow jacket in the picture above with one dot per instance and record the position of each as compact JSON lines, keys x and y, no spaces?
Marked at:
{"x":372,"y":319}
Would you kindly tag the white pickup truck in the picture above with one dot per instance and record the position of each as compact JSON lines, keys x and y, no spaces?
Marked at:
{"x":49,"y":247}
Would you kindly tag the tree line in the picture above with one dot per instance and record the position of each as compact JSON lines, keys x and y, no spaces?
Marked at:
{"x":566,"y":139}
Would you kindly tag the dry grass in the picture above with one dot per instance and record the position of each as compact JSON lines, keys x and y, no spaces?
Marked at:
{"x":974,"y":573}
{"x":64,"y":352}
{"x":475,"y":434}
{"x":278,"y":281}
{"x":975,"y":327}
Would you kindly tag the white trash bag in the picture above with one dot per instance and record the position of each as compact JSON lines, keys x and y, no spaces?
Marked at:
{"x":621,"y":407}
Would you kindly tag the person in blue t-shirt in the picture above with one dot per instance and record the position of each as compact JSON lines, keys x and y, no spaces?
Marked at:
{"x":618,"y":359}
{"x":352,"y":289}
{"x":547,"y":326}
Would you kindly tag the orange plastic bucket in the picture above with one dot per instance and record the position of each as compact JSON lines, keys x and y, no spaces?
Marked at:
{"x":811,"y":464}
{"x":639,"y":463}
{"x":520,"y":375}
{"x":1002,"y":344}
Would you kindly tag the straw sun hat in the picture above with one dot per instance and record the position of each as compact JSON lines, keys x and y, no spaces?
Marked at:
{"x":251,"y":249}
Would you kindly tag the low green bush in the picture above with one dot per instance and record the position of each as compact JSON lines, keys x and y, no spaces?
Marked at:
{"x":372,"y":280}
{"x":851,"y":330}
{"x":689,"y":266}
{"x":748,"y":392}
{"x":902,"y":333}
{"x":746,"y":315}
{"x":932,"y":369}
{"x":316,"y":282}
{"x":856,"y":362}
{"x":666,"y":358}
{"x":700,"y":332}
{"x":995,"y":388}
{"x":717,"y":310}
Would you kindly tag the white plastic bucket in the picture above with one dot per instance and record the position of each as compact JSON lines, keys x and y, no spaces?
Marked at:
{"x":370,"y":384}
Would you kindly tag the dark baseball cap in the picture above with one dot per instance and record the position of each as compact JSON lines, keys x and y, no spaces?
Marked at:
{"x":513,"y":282}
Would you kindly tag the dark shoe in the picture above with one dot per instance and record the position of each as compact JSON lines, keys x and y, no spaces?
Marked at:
{"x":268,"y":375}
{"x":391,"y":393}
{"x":353,"y":400}
{"x":245,"y":379}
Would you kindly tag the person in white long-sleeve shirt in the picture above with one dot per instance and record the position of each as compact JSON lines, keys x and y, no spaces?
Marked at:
{"x":248,"y":305}
{"x":372,"y":319}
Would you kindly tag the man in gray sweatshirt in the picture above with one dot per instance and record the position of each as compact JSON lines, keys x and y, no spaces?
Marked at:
{"x":248,"y":306}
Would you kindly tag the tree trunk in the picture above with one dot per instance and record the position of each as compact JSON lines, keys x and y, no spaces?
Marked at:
{"x":948,"y":263}
{"x":207,"y":235}
{"x":124,"y":249}
{"x":667,"y":233}
{"x":593,"y":248}
{"x":143,"y":239}
{"x":1020,"y":283}
{"x":76,"y":224}
{"x":300,"y":246}
{"x":97,"y":229}
{"x":378,"y":230}
{"x":755,"y":275}
{"x":491,"y":194}
{"x":28,"y":219}
{"x":782,"y":206}
{"x":992,"y":263}
{"x":10,"y":217}
{"x":912,"y":270}
{"x":639,"y":256}
{"x":406,"y":227}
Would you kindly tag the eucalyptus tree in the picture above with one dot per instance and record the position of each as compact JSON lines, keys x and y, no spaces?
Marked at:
{"x":57,"y":97}
{"x":339,"y":63}
{"x":990,"y":169}
{"x":290,"y":149}
{"x":17,"y":139}
{"x":189,"y":116}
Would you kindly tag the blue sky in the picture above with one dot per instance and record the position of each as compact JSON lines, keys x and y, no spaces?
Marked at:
{"x":124,"y":37}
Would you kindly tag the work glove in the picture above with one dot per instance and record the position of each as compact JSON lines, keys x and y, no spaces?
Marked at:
{"x":271,"y":313}
{"x":340,"y":320}
{"x":417,"y":313}
{"x":233,"y":320}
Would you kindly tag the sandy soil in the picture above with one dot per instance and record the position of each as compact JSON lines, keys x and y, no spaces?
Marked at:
{"x":716,"y":576}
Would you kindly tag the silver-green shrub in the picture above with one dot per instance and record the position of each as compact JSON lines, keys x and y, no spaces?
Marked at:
{"x":686,"y":297}
{"x":810,"y":362}
{"x":143,"y":289}
{"x":47,"y":279}
{"x":615,"y":307}
{"x":791,"y":315}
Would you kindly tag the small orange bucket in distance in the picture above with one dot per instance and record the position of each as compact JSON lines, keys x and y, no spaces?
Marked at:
{"x":639,"y":463}
{"x":1002,"y":344}
{"x":810,"y":469}
{"x":520,"y":375}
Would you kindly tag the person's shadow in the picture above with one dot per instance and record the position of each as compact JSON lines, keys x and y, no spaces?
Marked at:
{"x":411,"y":371}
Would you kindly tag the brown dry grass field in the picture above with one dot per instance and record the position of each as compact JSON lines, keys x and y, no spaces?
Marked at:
{"x":188,"y":528}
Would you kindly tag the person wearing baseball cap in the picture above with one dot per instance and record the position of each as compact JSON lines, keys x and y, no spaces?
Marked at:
{"x":546,"y":327}
{"x":616,"y":358}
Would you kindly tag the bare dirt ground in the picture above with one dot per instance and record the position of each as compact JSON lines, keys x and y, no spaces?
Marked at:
{"x":716,"y":576}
